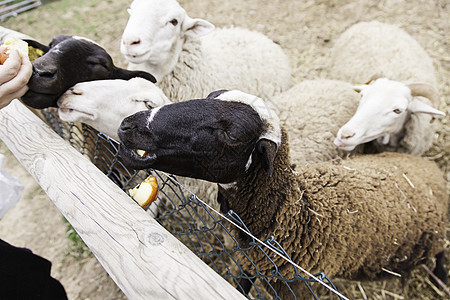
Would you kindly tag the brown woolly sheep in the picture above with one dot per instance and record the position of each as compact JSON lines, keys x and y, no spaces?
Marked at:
{"x":358,"y":218}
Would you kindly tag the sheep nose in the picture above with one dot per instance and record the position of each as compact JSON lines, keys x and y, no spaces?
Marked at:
{"x":47,"y":72}
{"x":131,"y":41}
{"x":346,"y":134}
{"x":74,"y":91}
{"x":127,"y":125}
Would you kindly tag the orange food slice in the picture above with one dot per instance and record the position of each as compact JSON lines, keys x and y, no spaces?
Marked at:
{"x":146,"y":192}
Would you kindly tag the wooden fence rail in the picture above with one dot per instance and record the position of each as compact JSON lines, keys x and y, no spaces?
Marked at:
{"x":144,"y":259}
{"x":11,"y":8}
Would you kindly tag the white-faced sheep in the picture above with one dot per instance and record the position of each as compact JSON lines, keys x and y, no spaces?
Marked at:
{"x":67,"y":61}
{"x":103,"y":104}
{"x":360,"y":218}
{"x":190,"y":59}
{"x":397,"y":109}
{"x":312,"y":112}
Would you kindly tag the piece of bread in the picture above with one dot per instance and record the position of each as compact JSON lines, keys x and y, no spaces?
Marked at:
{"x":13,"y":43}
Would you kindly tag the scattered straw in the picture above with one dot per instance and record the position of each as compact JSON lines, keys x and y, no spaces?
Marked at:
{"x":391,"y":272}
{"x":441,"y":284}
{"x":393,"y":295}
{"x":404,"y":196}
{"x":362,"y":291}
{"x":409,"y":181}
{"x":314,"y":212}
{"x":440,"y":293}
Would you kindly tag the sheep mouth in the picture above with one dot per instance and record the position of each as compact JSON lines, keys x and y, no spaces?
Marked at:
{"x":137,"y":57}
{"x":343,"y":146}
{"x":39,"y":100}
{"x":65,"y":110}
{"x":136,"y":158}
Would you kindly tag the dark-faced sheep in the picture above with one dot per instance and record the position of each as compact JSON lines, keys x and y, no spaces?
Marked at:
{"x":361,"y":218}
{"x":67,"y":61}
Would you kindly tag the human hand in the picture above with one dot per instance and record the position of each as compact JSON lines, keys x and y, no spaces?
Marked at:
{"x":14,"y":76}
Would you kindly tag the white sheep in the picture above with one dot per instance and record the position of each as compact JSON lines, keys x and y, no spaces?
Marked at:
{"x":396,"y":110}
{"x":190,"y":58}
{"x":360,"y":218}
{"x":103,"y":104}
{"x":312,"y":112}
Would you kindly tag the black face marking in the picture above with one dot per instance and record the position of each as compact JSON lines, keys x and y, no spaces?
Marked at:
{"x":206,"y":138}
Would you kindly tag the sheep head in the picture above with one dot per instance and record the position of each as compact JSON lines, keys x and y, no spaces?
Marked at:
{"x":382,"y":113}
{"x":212,"y":139}
{"x":155,"y":34}
{"x":66,"y":61}
{"x":103,"y":104}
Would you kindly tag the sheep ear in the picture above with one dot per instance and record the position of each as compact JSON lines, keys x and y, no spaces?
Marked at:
{"x":120,"y":73}
{"x":416,"y":106}
{"x":360,"y":87}
{"x":36,"y":45}
{"x":58,"y":39}
{"x":197,"y":27}
{"x":216,"y":94}
{"x":266,"y":151}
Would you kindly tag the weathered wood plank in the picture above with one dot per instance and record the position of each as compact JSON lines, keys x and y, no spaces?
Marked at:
{"x":15,"y":9}
{"x":144,"y":259}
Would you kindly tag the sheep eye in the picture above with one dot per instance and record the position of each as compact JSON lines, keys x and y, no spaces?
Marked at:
{"x":174,"y":22}
{"x":230,"y":136}
{"x":148,"y":105}
{"x":397,"y":111}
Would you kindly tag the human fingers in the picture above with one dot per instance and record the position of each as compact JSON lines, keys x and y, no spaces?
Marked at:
{"x":6,"y":99}
{"x":15,"y":85}
{"x":10,"y":67}
{"x":26,"y":69}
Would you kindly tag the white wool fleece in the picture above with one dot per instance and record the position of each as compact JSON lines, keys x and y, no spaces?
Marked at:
{"x":370,"y":50}
{"x":228,"y":58}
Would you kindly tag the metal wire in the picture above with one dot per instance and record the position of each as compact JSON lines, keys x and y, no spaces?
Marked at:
{"x":196,"y":224}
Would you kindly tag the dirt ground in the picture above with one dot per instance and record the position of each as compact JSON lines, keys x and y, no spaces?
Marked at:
{"x":305,"y":29}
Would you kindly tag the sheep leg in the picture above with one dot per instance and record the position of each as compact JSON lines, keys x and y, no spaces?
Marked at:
{"x":440,"y":270}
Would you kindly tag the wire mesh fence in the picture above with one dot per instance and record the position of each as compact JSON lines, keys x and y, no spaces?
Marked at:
{"x":210,"y":235}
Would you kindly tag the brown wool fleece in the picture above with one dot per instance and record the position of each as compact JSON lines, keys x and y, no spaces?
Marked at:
{"x":349,"y":219}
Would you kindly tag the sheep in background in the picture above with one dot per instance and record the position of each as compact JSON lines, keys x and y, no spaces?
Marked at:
{"x":360,"y":218}
{"x":190,"y":59}
{"x":401,"y":119}
{"x":67,"y":61}
{"x":312,"y":112}
{"x":391,"y":116}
